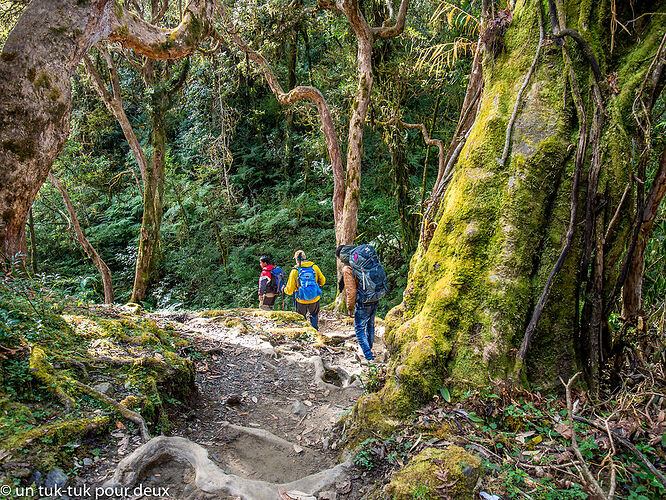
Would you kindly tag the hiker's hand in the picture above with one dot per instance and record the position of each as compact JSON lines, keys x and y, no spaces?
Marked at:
{"x":261,"y":298}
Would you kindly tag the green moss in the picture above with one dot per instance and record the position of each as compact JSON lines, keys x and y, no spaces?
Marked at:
{"x":294,"y":333}
{"x":461,"y":469}
{"x":54,"y":94}
{"x":43,"y":81}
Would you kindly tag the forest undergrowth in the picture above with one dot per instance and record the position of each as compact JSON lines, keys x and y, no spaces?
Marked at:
{"x":526,"y":441}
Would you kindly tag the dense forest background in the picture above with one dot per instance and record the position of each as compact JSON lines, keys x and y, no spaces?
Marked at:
{"x":245,"y":176}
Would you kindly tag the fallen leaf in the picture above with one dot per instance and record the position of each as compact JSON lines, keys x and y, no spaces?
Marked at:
{"x":563,"y":430}
{"x":298,"y":449}
{"x":307,"y":403}
{"x":254,"y":399}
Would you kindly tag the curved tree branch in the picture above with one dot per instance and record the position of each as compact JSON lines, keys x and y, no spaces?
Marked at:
{"x":153,"y":41}
{"x":397,"y":28}
{"x":294,"y":95}
{"x":114,"y":104}
{"x":90,"y":251}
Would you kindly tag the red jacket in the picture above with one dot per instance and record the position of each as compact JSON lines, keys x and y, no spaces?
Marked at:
{"x":264,"y":278}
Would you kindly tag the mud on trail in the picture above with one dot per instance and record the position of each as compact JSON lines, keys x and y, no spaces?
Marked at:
{"x":270,"y":393}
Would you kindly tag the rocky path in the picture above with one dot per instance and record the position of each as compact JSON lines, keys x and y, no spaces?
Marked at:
{"x":270,"y":395}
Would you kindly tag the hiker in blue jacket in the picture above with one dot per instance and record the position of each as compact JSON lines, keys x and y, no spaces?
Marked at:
{"x":305,"y":282}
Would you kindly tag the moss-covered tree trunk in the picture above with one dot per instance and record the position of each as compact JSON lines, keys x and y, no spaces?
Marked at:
{"x":162,"y":97}
{"x":501,"y":228}
{"x":153,"y":193}
{"x":409,"y":220}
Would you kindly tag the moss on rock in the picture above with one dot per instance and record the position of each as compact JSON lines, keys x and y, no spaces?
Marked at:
{"x":459,"y":467}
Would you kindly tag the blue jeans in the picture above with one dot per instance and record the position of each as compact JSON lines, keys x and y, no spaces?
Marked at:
{"x":364,"y":326}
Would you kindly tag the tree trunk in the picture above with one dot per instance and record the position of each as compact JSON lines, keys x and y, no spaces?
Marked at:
{"x":89,"y":250}
{"x":632,"y":300}
{"x":366,"y":35}
{"x":501,"y":228}
{"x":33,"y":243}
{"x":153,"y":191}
{"x":409,"y":221}
{"x":289,"y":142}
{"x":37,"y":61}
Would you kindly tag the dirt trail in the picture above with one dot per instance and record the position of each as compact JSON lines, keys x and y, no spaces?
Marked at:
{"x":269,"y":397}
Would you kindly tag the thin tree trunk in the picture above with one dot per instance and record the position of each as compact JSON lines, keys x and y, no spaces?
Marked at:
{"x":89,"y":250}
{"x":632,"y":300}
{"x":33,"y":243}
{"x":289,"y":143}
{"x":114,"y":103}
{"x":427,"y":158}
{"x":153,"y":191}
{"x":409,"y":222}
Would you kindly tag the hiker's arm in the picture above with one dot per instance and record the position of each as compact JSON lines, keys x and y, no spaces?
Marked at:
{"x":262,"y":285}
{"x":291,"y":283}
{"x":319,"y":276}
{"x":350,"y":288}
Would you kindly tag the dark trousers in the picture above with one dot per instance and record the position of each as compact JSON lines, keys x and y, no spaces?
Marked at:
{"x":312,"y":309}
{"x":268,"y":302}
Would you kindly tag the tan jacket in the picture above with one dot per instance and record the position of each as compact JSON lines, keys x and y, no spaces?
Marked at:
{"x":351,"y":286}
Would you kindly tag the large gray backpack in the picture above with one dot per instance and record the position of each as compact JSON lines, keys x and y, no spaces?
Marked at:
{"x":372,"y":284}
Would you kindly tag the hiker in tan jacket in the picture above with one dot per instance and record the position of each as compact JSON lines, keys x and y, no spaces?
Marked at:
{"x":363,"y":314}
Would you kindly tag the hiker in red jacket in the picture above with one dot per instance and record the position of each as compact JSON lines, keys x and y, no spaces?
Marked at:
{"x":267,"y":284}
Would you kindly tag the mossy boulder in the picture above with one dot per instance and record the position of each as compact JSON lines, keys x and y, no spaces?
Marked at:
{"x":432,"y":468}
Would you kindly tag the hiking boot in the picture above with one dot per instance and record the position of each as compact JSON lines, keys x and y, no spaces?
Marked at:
{"x":367,"y":362}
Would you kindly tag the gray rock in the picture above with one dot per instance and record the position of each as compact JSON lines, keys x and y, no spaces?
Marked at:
{"x":328,"y":495}
{"x":56,"y":478}
{"x":103,"y":387}
{"x":36,"y":478}
{"x":87,"y":462}
{"x":299,"y":408}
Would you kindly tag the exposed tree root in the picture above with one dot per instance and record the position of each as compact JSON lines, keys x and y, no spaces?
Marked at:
{"x":62,"y":431}
{"x":43,"y":370}
{"x":209,"y":478}
{"x":124,"y":411}
{"x":323,"y":371}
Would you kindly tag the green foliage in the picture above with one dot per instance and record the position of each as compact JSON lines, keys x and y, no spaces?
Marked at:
{"x":365,"y":455}
{"x":234,"y":188}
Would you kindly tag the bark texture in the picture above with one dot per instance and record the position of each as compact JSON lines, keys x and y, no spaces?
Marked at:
{"x":500,"y":229}
{"x":37,"y":61}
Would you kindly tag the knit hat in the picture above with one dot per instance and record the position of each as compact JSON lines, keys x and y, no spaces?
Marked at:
{"x":301,"y":253}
